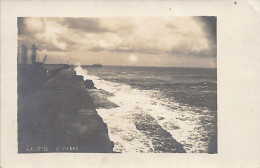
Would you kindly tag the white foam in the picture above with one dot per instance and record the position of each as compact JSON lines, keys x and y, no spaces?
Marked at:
{"x":80,"y":71}
{"x":181,"y":121}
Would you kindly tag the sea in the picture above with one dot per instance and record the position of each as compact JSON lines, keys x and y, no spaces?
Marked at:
{"x":155,"y":107}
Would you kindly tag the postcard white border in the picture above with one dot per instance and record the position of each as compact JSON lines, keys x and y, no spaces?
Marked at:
{"x":238,"y":64}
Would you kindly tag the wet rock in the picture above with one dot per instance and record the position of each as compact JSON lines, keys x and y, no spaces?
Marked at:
{"x":100,"y":98}
{"x":79,"y":77}
{"x":161,"y":139}
{"x":160,"y":118}
{"x":89,"y":84}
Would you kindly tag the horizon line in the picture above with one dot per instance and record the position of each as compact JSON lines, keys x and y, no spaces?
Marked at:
{"x":146,"y":66}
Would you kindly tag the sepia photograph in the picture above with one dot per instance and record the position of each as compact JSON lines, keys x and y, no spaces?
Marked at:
{"x":133,"y":84}
{"x":117,"y":84}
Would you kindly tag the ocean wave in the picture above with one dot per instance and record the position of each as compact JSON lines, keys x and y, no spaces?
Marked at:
{"x":190,"y":126}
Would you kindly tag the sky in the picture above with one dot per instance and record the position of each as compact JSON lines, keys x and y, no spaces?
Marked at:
{"x":145,"y":41}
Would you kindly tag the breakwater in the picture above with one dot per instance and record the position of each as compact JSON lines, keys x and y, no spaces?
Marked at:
{"x":31,"y":76}
{"x":60,"y":116}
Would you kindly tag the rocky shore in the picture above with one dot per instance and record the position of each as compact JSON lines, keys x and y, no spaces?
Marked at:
{"x":60,"y":116}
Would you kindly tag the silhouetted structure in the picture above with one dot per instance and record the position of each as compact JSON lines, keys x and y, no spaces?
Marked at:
{"x":33,"y":54}
{"x":97,"y":65}
{"x":44,"y":61}
{"x":24,"y":54}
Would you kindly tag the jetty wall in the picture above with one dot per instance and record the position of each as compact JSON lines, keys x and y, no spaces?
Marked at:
{"x":31,"y":76}
{"x":60,"y":116}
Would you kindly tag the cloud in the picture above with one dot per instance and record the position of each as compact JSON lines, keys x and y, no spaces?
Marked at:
{"x":47,"y":33}
{"x":171,"y":36}
{"x":96,"y":49}
{"x":209,"y":24}
{"x":30,"y":26}
{"x":85,"y":24}
{"x":77,"y":37}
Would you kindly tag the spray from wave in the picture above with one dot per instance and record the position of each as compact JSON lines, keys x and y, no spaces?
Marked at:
{"x":138,"y":107}
{"x":80,"y":71}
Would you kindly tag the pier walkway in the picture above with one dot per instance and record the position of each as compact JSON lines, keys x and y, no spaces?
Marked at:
{"x":61,"y":117}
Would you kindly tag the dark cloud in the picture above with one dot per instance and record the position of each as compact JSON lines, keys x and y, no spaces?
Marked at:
{"x":21,"y":25}
{"x":96,"y":49}
{"x":85,"y":24}
{"x":27,"y":36}
{"x":209,"y":25}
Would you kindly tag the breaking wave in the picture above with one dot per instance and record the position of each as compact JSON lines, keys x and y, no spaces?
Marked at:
{"x":186,"y":124}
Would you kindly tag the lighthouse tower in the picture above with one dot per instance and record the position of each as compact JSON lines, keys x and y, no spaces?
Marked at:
{"x":33,"y":54}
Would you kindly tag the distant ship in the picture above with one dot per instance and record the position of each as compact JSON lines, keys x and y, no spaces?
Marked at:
{"x":97,"y":65}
